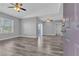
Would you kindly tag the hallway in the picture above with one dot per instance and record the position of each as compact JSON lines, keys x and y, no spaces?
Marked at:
{"x":22,"y":46}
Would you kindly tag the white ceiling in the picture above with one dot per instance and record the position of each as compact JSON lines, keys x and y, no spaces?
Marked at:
{"x":33,"y":9}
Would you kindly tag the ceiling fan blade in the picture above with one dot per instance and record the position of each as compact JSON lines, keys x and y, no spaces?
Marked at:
{"x":21,"y":4}
{"x":23,"y":9}
{"x":11,"y":7}
{"x":12,"y":3}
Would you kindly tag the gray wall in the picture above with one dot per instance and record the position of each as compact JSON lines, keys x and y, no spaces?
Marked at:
{"x":16,"y":27}
{"x":50,"y":28}
{"x":28,"y":27}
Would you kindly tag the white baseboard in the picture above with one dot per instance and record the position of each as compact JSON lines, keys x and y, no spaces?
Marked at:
{"x":28,"y":36}
{"x":9,"y":37}
{"x":49,"y":35}
{"x":53,"y":34}
{"x":17,"y":36}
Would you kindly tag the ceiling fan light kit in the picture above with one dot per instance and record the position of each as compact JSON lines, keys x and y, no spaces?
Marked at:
{"x":49,"y":19}
{"x":17,"y":9}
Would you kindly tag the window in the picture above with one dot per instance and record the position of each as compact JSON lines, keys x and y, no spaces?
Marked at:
{"x":6,"y":25}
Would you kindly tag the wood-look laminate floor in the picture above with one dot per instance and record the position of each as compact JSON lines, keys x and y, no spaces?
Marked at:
{"x":21,"y":46}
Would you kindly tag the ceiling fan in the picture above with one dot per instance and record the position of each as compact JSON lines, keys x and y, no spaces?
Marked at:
{"x":17,"y":6}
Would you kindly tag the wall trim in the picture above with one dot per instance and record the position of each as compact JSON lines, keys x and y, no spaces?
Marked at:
{"x":49,"y":35}
{"x":9,"y":37}
{"x":18,"y":36}
{"x":28,"y":36}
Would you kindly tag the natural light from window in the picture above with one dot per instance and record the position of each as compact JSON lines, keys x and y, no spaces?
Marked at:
{"x":6,"y":25}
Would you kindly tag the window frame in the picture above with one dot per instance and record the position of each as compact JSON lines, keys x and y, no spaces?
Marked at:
{"x":12,"y":25}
